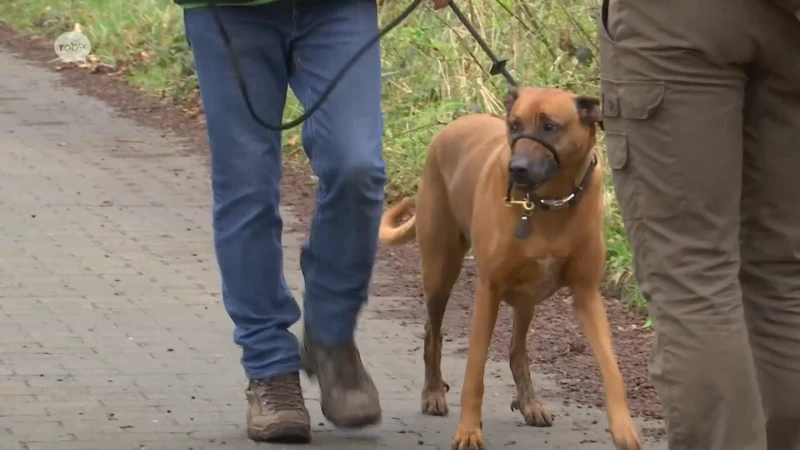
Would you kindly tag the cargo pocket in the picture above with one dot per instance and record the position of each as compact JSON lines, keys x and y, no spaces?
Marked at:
{"x":624,"y":183}
{"x":647,"y":180}
{"x":606,"y":14}
{"x":608,"y":59}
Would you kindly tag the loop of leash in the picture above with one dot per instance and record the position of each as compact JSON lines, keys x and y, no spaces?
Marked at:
{"x":498,"y":64}
{"x":213,"y":5}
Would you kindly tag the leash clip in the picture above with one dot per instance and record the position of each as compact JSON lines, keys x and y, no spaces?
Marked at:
{"x":527,"y":205}
{"x":523,"y":228}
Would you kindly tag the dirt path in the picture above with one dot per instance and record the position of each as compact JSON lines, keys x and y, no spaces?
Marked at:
{"x":567,"y":374}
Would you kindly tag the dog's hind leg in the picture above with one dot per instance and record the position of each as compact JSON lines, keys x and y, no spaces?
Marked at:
{"x":440,"y":272}
{"x":526,"y":401}
{"x":442,"y":251}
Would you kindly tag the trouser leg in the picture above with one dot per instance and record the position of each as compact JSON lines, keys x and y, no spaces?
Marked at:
{"x":672,"y":101}
{"x":770,"y":234}
{"x":245,"y":175}
{"x":343,"y":142}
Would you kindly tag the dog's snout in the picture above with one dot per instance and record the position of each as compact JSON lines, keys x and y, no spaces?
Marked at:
{"x":526,"y":172}
{"x":518,"y":166}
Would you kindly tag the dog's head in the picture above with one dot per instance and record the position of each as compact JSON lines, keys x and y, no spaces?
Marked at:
{"x":548,"y":129}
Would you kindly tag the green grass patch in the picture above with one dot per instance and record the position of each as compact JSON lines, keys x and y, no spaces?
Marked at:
{"x":433,"y":70}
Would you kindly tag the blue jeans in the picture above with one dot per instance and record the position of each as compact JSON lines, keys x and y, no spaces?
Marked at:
{"x":299,"y":45}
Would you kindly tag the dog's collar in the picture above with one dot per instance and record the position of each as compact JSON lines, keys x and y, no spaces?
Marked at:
{"x":532,"y":201}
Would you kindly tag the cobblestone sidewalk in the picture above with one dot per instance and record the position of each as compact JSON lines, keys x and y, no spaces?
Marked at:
{"x":112,"y":334}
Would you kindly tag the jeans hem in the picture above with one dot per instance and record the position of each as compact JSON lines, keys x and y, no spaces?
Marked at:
{"x":280,"y":369}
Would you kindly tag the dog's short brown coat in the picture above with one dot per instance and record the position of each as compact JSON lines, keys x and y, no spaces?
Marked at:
{"x":460,"y":204}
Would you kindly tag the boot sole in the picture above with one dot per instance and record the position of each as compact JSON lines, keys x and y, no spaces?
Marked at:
{"x":284,"y":434}
{"x":353,"y":423}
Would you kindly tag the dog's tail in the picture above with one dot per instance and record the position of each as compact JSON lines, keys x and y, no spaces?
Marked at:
{"x":392,"y":234}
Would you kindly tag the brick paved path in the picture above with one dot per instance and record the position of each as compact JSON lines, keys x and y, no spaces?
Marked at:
{"x":112,"y":335}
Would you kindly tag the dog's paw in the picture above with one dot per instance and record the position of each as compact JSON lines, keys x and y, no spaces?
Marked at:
{"x":468,"y":438}
{"x":624,"y":433}
{"x":434,"y":402}
{"x":534,"y":413}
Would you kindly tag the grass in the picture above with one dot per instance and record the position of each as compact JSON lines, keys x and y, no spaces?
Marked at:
{"x":433,"y":70}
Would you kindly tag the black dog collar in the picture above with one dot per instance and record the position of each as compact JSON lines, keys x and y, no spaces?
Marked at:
{"x":532,"y":201}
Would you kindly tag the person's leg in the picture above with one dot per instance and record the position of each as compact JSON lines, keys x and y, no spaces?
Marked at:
{"x":245,"y":175}
{"x":770,"y":234}
{"x":343,"y":142}
{"x":673,"y":93}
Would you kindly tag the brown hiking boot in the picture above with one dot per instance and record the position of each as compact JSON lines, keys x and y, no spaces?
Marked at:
{"x":277,"y":411}
{"x":349,"y":396}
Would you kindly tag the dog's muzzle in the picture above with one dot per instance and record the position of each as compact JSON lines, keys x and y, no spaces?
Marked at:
{"x":529,"y":174}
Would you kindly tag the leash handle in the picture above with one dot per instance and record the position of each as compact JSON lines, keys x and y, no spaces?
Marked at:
{"x":498,"y":64}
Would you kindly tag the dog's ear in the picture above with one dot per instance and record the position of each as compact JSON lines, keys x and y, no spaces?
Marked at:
{"x":589,"y":110}
{"x":512,"y":94}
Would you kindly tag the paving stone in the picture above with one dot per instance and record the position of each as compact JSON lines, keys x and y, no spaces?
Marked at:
{"x":112,"y":334}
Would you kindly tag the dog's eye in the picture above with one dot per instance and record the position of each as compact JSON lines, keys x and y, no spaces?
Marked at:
{"x":513,"y":127}
{"x":549,"y":127}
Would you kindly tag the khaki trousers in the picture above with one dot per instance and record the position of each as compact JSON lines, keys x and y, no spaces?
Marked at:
{"x":701,"y":104}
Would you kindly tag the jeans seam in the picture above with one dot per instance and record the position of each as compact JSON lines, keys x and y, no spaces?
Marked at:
{"x":293,"y":33}
{"x":320,"y":188}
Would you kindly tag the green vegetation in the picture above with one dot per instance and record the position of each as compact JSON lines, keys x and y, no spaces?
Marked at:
{"x":433,"y":70}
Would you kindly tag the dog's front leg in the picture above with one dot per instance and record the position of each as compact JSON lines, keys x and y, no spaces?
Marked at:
{"x":594,"y":324}
{"x":484,"y":316}
{"x":526,"y":402}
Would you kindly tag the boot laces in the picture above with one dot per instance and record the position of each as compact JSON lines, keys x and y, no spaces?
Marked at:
{"x":281,"y":392}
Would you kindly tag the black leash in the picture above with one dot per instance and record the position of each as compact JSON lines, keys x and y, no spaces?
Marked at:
{"x":498,"y":64}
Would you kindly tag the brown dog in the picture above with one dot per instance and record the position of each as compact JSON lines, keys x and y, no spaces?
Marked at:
{"x":526,"y":194}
